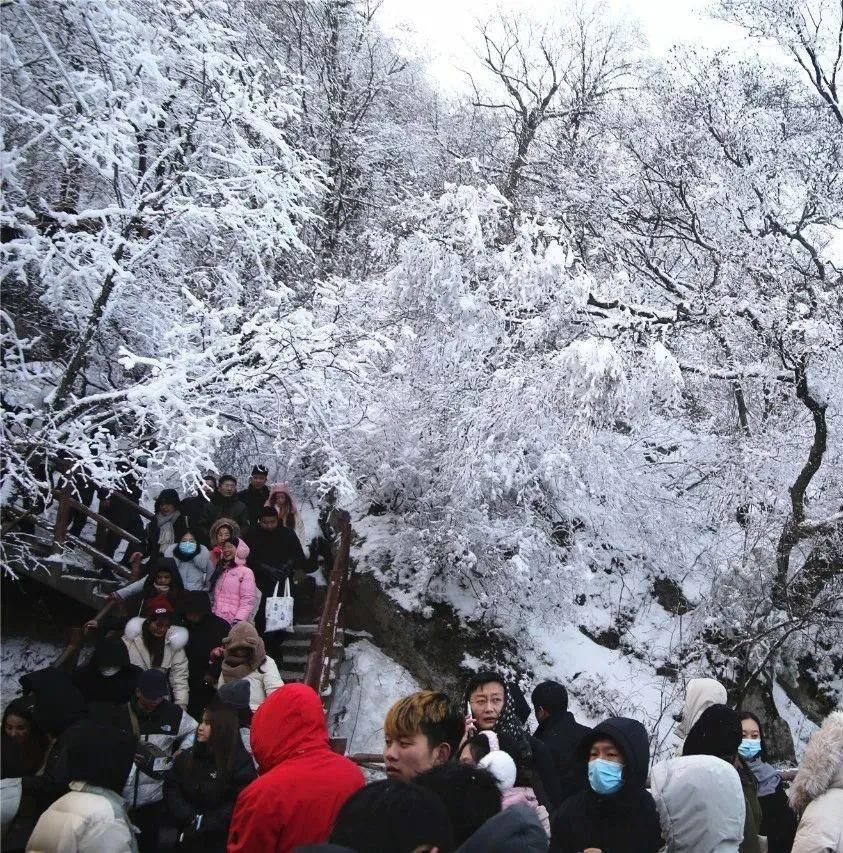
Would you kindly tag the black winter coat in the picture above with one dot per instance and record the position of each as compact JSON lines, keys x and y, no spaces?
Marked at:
{"x":778,"y":821}
{"x":561,"y":734}
{"x":273,"y":555}
{"x":624,"y":822}
{"x":200,"y":514}
{"x":202,"y":637}
{"x":232,"y":508}
{"x":254,"y":500}
{"x":152,"y":549}
{"x":109,"y":651}
{"x":543,"y":767}
{"x":59,"y":707}
{"x":195,"y":787}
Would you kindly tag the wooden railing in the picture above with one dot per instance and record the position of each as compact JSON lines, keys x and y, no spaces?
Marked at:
{"x":61,"y":538}
{"x":320,"y":657}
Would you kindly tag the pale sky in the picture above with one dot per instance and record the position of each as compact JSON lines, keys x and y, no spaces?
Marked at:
{"x":443,"y":29}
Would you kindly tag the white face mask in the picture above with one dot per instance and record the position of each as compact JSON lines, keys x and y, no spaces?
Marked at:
{"x":108,"y":671}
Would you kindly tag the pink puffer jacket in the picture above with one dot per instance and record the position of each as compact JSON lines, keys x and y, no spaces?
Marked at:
{"x":235,"y":594}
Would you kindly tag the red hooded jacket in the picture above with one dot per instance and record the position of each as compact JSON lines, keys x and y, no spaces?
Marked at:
{"x":302,"y":783}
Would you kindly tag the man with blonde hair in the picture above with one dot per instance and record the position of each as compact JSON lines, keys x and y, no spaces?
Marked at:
{"x":421,"y":731}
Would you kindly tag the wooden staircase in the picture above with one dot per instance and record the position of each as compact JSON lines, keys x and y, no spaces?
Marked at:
{"x":296,"y":649}
{"x":72,"y":566}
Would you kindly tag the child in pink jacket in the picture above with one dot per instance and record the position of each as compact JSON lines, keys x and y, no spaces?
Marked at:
{"x":233,"y":588}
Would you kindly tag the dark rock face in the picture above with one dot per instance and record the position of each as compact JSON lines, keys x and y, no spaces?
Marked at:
{"x":806,"y":693}
{"x":432,"y":650}
{"x":669,"y":594}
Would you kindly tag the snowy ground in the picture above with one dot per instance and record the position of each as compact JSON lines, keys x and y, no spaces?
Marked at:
{"x":21,"y":655}
{"x":368,"y":684}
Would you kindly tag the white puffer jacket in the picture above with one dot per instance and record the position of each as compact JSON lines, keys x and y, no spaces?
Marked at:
{"x":817,"y":791}
{"x":174,"y":663}
{"x":85,"y":820}
{"x":701,"y":804}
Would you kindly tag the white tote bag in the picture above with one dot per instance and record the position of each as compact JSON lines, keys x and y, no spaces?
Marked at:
{"x":279,"y":610}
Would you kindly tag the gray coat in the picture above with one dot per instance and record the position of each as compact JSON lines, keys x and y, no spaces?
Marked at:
{"x":513,"y":830}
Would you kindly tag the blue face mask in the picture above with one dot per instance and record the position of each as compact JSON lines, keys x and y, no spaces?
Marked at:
{"x":605,"y":777}
{"x":749,"y":748}
{"x":188,"y":548}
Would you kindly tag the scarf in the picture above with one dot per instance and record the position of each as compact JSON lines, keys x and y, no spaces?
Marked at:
{"x":508,"y":724}
{"x":232,"y":671}
{"x":766,"y":775}
{"x":166,"y":533}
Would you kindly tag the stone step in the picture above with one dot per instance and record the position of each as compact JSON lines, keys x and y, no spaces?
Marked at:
{"x":294,"y":642}
{"x":309,"y":630}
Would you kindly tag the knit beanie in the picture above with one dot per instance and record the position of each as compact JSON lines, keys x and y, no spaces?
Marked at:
{"x":235,"y":694}
{"x":196,"y":601}
{"x":392,"y":815}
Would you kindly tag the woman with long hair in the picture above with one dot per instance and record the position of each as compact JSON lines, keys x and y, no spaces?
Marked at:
{"x":155,"y":643}
{"x":22,"y":729}
{"x":282,"y":502}
{"x":778,"y":820}
{"x":202,"y":787}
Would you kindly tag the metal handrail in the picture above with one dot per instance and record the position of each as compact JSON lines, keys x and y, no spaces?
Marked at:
{"x":317,"y":673}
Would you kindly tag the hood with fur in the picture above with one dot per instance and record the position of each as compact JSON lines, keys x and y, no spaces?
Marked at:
{"x":822,"y":766}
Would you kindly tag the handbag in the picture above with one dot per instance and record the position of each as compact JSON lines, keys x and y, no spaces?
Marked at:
{"x":279,"y":610}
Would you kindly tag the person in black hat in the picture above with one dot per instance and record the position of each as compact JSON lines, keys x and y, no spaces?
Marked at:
{"x":235,"y":695}
{"x":718,"y":732}
{"x":560,"y":733}
{"x":206,"y":631}
{"x":57,"y":708}
{"x":256,"y":494}
{"x":91,"y":816}
{"x":165,"y":529}
{"x":275,"y":553}
{"x":161,"y":727}
{"x":392,"y":816}
{"x":108,"y":676}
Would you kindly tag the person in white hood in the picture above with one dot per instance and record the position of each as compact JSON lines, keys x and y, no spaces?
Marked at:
{"x":817,"y":791}
{"x":701,"y":693}
{"x":700,"y":803}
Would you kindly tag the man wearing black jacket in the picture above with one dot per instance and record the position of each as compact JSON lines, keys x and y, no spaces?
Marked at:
{"x":274,"y":554}
{"x":58,"y":708}
{"x":228,"y":505}
{"x":206,"y":632}
{"x":200,"y":511}
{"x":560,"y":733}
{"x":256,"y":494}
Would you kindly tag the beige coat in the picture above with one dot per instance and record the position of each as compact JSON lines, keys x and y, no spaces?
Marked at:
{"x":261,"y":684}
{"x":174,"y":663}
{"x":817,"y":791}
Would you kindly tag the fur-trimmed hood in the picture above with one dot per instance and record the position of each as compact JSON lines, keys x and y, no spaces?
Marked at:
{"x":822,"y":766}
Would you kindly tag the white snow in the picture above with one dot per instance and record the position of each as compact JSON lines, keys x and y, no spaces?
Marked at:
{"x":800,"y":726}
{"x":368,"y":683}
{"x":19,"y":656}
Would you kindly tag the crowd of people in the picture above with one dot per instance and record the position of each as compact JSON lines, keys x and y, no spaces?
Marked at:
{"x":179,"y":734}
